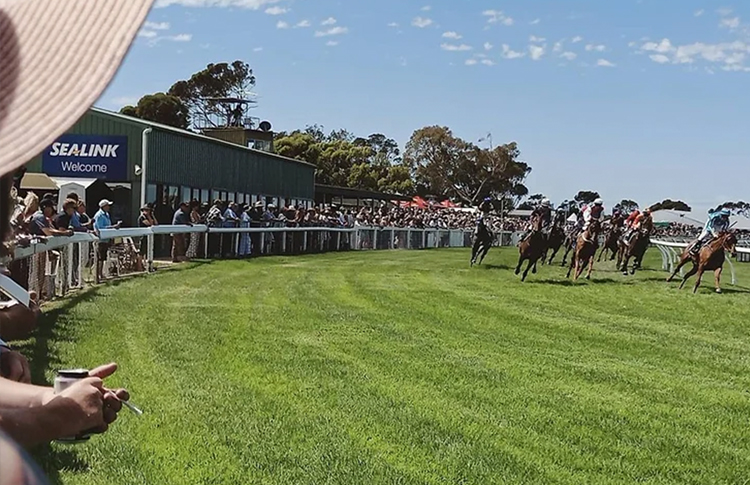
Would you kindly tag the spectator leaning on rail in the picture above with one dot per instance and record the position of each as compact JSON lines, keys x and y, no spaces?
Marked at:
{"x":179,"y":248}
{"x":102,"y":220}
{"x":34,"y":75}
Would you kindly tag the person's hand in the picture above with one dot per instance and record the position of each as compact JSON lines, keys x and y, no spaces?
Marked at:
{"x":78,"y":409}
{"x":14,"y":366}
{"x":70,"y":232}
{"x":112,"y":397}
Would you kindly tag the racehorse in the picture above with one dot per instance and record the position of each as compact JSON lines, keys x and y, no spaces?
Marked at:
{"x":709,"y":258}
{"x":482,"y":243}
{"x":570,"y":243}
{"x":531,"y":248}
{"x":634,"y":248}
{"x":585,"y":252}
{"x":611,"y":243}
{"x":555,"y":239}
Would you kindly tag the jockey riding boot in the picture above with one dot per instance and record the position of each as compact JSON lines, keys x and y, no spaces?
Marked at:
{"x":695,"y":249}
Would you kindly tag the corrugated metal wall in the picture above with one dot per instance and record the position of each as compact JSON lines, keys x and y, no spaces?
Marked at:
{"x":178,"y":159}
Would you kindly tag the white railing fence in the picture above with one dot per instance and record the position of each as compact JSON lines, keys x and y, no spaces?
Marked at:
{"x":53,"y":266}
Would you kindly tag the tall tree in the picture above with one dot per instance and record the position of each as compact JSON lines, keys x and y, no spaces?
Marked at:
{"x":223,"y":80}
{"x":669,"y":204}
{"x":739,"y":207}
{"x":627,"y":206}
{"x":448,"y":165}
{"x":586,"y":197}
{"x":160,"y":108}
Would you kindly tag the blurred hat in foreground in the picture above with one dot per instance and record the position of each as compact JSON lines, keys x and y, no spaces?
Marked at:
{"x":56,"y":59}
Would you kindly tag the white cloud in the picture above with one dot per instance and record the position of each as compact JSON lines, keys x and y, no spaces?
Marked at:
{"x":487,"y":62}
{"x":632,"y":44}
{"x":558,"y":47}
{"x":282,"y":25}
{"x":698,"y":13}
{"x":659,"y":58}
{"x":156,"y":25}
{"x":534,"y":38}
{"x":509,"y":53}
{"x":148,"y":34}
{"x":329,"y":21}
{"x":497,"y":16}
{"x":393,"y":25}
{"x":179,"y":37}
{"x":535,"y":21}
{"x":724,"y":11}
{"x":454,"y":47}
{"x":452,"y":35}
{"x":249,"y":4}
{"x":332,"y":31}
{"x":577,"y":39}
{"x":302,"y":24}
{"x":536,"y":52}
{"x":604,"y":63}
{"x":257,"y":49}
{"x":421,"y":22}
{"x":332,"y":43}
{"x":487,"y":46}
{"x":662,"y":47}
{"x":426,"y":8}
{"x":731,"y":23}
{"x":569,"y":55}
{"x":124,"y":101}
{"x":276,"y":10}
{"x":470,"y":62}
{"x":594,"y":47}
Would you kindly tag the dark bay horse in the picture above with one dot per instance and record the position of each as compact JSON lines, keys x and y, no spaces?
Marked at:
{"x":585,"y":251}
{"x":634,"y":248}
{"x":710,"y":258}
{"x":555,"y":240}
{"x":611,"y":242}
{"x":531,"y":248}
{"x":571,"y":237}
{"x":482,"y":243}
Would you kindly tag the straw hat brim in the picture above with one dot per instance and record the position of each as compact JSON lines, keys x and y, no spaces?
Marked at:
{"x":56,"y":59}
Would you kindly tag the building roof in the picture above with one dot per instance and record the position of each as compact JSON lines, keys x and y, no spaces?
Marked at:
{"x":152,"y":124}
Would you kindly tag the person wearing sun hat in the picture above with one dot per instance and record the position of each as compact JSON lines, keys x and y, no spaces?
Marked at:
{"x":56,"y":59}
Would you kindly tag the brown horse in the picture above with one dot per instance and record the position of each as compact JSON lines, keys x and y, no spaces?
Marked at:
{"x":555,"y":240}
{"x":585,"y":253}
{"x":531,"y":248}
{"x":611,"y":239}
{"x":709,"y":258}
{"x":635,"y":247}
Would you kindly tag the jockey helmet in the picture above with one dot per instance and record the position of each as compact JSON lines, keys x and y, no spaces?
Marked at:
{"x":598,"y":202}
{"x":545,"y":202}
{"x":725,"y":212}
{"x":560,"y":209}
{"x":647,"y":211}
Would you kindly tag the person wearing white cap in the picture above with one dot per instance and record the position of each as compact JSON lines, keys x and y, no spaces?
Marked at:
{"x":50,"y":58}
{"x":103,"y":220}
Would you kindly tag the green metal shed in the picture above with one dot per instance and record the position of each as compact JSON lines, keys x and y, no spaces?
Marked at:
{"x":184,"y":165}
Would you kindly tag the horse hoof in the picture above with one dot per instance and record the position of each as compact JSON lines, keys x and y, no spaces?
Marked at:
{"x":588,"y":277}
{"x":718,"y":290}
{"x":624,"y":273}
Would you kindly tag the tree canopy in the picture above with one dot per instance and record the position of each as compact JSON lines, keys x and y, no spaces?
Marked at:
{"x":371,"y":163}
{"x":442,"y":163}
{"x":739,"y":207}
{"x":628,"y":205}
{"x":193,"y":101}
{"x":669,"y":204}
{"x":586,"y":197}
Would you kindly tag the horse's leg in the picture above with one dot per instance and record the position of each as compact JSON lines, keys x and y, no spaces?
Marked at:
{"x":690,"y":273}
{"x":570,"y":267}
{"x":520,"y":262}
{"x":717,"y":278}
{"x":624,"y":267}
{"x":526,"y":271}
{"x":484,"y":251}
{"x":698,"y":278}
{"x":683,"y":261}
{"x":591,"y":268}
{"x":533,"y":267}
{"x":580,"y":266}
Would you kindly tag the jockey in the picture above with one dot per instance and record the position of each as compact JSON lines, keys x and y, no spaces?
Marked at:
{"x":543,"y":213}
{"x":717,"y":223}
{"x":617,"y":220}
{"x":593,"y":212}
{"x":630,"y":224}
{"x":560,"y":218}
{"x":647,"y":223}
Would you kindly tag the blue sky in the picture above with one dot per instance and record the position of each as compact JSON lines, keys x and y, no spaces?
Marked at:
{"x":638,"y":99}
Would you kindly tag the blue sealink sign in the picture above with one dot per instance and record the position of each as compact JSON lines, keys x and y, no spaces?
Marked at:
{"x":87,"y":156}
